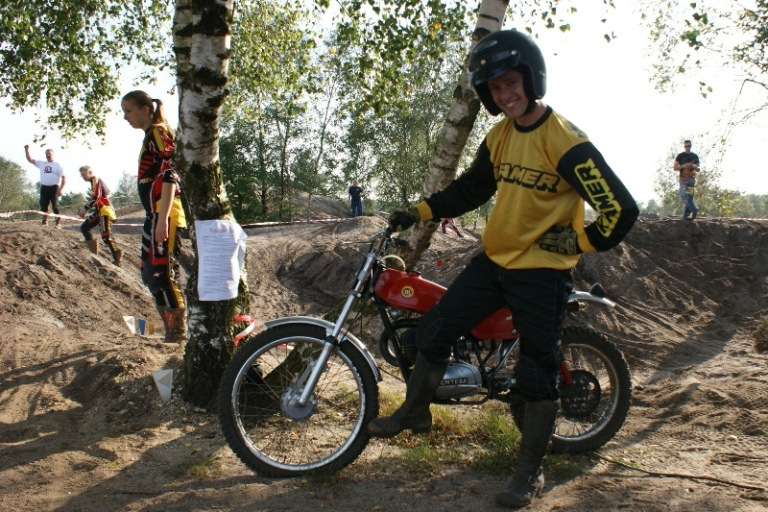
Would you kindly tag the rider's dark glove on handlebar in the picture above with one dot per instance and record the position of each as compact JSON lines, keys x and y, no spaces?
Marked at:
{"x":400,"y":220}
{"x":563,"y":240}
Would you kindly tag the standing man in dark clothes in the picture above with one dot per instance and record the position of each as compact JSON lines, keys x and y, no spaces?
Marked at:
{"x":687,"y":164}
{"x":356,"y":193}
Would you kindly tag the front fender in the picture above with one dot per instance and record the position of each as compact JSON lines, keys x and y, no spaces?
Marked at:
{"x":328,"y":326}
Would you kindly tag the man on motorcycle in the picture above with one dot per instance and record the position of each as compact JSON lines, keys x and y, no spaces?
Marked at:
{"x":542,"y":169}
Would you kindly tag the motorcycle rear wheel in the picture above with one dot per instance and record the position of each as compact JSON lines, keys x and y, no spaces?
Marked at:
{"x":268,"y":428}
{"x":594,"y":408}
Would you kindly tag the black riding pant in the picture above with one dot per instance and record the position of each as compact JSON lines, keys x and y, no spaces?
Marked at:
{"x":49,"y":195}
{"x":537,"y":298}
{"x":160,"y":265}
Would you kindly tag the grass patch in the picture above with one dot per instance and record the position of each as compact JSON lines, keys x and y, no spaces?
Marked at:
{"x":496,"y":437}
{"x":198,"y":467}
{"x":566,"y":466}
{"x":482,"y":438}
{"x":389,"y":401}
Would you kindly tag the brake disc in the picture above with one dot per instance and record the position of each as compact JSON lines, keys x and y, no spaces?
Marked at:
{"x":580,"y":399}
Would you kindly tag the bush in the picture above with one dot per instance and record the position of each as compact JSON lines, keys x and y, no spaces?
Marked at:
{"x":760,"y":336}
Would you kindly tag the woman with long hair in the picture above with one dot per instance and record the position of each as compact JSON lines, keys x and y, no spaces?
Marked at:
{"x":160,"y":193}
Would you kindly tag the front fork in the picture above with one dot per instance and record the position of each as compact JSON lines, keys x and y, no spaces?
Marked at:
{"x":333,"y":340}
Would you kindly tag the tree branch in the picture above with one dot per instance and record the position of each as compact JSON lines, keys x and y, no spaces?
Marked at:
{"x":682,"y":475}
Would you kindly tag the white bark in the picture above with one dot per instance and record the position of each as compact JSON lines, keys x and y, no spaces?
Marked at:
{"x":458,"y":125}
{"x":202,"y":48}
{"x":464,"y":108}
{"x":201,"y":36}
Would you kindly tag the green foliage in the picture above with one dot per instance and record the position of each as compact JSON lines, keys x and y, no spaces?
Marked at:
{"x":378,"y":40}
{"x":16,"y":192}
{"x":126,"y":191}
{"x":240,"y":172}
{"x":269,"y":122}
{"x":272,"y":56}
{"x":690,"y":36}
{"x":754,"y":22}
{"x":393,"y":150}
{"x":72,"y":200}
{"x":760,"y":336}
{"x":68,"y":55}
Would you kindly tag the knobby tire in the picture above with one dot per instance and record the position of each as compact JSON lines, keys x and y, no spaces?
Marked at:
{"x":269,"y":431}
{"x":595,"y":414}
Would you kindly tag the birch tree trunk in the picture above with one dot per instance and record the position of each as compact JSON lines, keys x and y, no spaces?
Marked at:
{"x":201,"y":36}
{"x":458,"y":125}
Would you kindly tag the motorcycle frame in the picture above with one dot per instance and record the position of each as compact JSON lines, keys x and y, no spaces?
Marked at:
{"x":500,"y":347}
{"x":364,"y":289}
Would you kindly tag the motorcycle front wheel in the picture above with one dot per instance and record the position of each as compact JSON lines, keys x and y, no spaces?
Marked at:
{"x":594,"y":405}
{"x":262,"y":415}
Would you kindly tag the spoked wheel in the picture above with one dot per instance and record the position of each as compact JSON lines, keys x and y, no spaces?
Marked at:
{"x":595,"y":403}
{"x":273,"y":425}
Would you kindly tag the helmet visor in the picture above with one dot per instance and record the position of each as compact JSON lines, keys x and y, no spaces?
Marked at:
{"x":492,"y":65}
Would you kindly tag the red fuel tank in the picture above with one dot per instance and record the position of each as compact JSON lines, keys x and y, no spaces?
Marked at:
{"x":409,"y":291}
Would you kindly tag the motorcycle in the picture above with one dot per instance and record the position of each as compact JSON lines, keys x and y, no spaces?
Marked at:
{"x":297,"y":395}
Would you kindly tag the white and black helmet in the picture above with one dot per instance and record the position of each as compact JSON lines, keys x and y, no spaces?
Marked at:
{"x":501,"y":51}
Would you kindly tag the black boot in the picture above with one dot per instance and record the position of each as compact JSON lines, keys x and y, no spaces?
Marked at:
{"x":414,"y":413}
{"x":528,"y":480}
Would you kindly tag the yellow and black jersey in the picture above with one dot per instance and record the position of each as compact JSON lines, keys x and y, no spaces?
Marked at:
{"x":542,"y":175}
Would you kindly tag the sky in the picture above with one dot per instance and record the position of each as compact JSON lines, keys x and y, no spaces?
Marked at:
{"x":603,"y":88}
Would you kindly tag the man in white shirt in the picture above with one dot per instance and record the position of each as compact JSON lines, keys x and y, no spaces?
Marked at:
{"x":52,"y":181}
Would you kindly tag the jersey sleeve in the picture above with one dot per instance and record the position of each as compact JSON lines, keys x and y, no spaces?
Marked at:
{"x":467,"y":192}
{"x":585,"y":169}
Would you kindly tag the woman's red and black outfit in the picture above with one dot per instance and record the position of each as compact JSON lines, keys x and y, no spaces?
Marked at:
{"x":160,"y":261}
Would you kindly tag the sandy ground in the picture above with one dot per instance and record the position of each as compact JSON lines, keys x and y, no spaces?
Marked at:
{"x":82,"y":427}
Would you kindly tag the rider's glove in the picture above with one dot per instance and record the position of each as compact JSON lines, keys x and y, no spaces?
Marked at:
{"x":400,"y":220}
{"x":563,"y":240}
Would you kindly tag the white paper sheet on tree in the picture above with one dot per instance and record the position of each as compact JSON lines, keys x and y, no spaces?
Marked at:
{"x":221,"y":250}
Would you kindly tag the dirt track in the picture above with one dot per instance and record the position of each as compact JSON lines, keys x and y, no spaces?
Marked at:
{"x":83,"y":429}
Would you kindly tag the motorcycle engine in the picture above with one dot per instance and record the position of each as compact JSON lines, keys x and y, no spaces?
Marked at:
{"x":460,"y":380}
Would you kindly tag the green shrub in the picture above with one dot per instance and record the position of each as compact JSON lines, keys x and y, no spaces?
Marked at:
{"x":760,"y":336}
